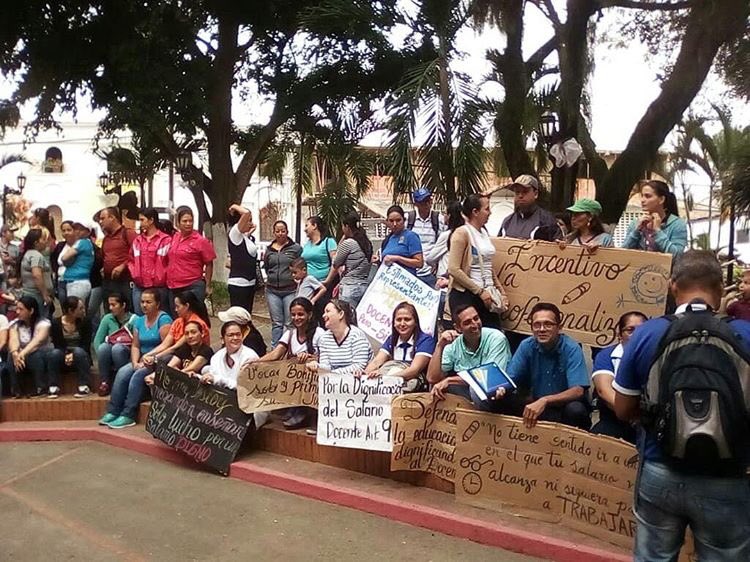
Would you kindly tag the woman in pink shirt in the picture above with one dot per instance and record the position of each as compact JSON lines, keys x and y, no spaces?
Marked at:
{"x":191,"y":259}
{"x":148,"y":260}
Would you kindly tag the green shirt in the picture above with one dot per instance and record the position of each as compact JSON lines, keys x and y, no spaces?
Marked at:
{"x":109,"y":325}
{"x":493,"y":348}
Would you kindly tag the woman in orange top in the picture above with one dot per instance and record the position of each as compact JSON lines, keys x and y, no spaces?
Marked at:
{"x":188,"y":309}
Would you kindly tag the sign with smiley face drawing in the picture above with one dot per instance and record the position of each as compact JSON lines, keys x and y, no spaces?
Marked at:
{"x":591,"y":289}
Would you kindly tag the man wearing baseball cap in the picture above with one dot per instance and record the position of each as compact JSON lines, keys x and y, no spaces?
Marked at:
{"x":427,"y":224}
{"x":528,"y":220}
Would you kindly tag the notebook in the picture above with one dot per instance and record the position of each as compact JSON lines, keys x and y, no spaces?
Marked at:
{"x":486,"y":379}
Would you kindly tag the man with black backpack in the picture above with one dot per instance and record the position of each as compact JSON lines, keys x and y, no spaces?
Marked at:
{"x":687,"y":378}
{"x":427,"y":224}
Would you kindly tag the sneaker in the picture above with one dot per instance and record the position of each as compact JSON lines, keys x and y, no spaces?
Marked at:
{"x":122,"y":422}
{"x":297,"y":421}
{"x":83,"y":392}
{"x":107,"y":419}
{"x":103,"y":389}
{"x":39,"y":393}
{"x":54,"y":391}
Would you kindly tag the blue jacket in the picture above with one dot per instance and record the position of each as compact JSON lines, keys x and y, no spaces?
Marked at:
{"x":671,"y":238}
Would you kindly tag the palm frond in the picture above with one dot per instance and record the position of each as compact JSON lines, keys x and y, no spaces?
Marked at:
{"x":7,"y":159}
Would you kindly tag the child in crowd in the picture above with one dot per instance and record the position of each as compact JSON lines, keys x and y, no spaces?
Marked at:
{"x":10,"y":296}
{"x":307,"y":286}
{"x":740,"y":308}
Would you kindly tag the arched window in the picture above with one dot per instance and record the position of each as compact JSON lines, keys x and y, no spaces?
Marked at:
{"x":53,"y":161}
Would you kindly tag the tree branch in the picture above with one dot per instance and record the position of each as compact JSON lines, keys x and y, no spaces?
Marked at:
{"x":648,"y":6}
{"x":536,"y":60}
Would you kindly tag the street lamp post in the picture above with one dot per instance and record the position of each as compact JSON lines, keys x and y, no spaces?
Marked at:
{"x":7,"y":190}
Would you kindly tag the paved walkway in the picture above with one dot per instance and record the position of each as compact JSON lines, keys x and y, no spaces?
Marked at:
{"x":87,"y":501}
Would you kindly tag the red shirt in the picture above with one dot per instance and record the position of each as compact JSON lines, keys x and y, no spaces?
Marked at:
{"x":116,"y":250}
{"x":177,"y":330}
{"x":739,"y":309}
{"x":187,"y":257}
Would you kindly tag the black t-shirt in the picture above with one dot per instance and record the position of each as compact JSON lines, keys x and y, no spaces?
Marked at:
{"x":186,"y":356}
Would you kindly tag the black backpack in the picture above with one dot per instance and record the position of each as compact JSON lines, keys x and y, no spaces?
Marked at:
{"x":698,"y":394}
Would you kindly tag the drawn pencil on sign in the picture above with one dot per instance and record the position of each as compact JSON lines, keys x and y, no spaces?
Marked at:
{"x":576,"y":292}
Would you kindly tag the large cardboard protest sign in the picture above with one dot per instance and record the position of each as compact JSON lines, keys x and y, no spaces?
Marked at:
{"x":266,"y":386}
{"x":591,"y":290}
{"x":423,"y":431}
{"x":355,"y":412}
{"x":200,"y":420}
{"x":551,"y":472}
{"x":390,"y":286}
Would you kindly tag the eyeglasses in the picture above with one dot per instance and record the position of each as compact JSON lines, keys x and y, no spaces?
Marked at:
{"x":543,"y":325}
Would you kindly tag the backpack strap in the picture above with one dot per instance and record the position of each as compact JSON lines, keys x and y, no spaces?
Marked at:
{"x":435,"y":219}
{"x":411,"y":218}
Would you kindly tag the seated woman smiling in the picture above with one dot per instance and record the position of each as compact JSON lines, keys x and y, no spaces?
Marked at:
{"x":406,"y":353}
{"x":344,"y":348}
{"x":192,"y":356}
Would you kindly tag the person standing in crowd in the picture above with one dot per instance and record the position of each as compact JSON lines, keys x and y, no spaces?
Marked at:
{"x":147,"y":262}
{"x":243,"y":258}
{"x":344,"y":348}
{"x":552,"y":367}
{"x":708,"y":494}
{"x":280,"y":286}
{"x":251,"y":336}
{"x":95,"y":299}
{"x":427,"y":224}
{"x":740,"y":308}
{"x":354,"y":254}
{"x":149,"y":331}
{"x":308,"y":286}
{"x":29,"y":344}
{"x":71,"y":338}
{"x":320,"y":249}
{"x":439,"y":254}
{"x":77,"y":259}
{"x":661,"y":229}
{"x":111,"y":352}
{"x":8,"y":251}
{"x":401,"y":246}
{"x":473,"y":279}
{"x":116,"y":251}
{"x":470,"y":345}
{"x":36,"y":276}
{"x":528,"y":220}
{"x":57,"y":267}
{"x":586,"y":227}
{"x":406,"y":353}
{"x":191,"y":260}
{"x":606,"y":364}
{"x":40,"y":218}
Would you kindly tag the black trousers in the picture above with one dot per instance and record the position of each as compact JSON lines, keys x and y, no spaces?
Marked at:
{"x":575,"y":414}
{"x":489,"y":319}
{"x":242,"y":296}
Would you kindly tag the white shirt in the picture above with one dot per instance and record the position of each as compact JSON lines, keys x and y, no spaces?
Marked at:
{"x":438,"y":254}
{"x":293,"y":345}
{"x":236,"y":237}
{"x":481,"y":244}
{"x":223,"y":374}
{"x":423,"y":229}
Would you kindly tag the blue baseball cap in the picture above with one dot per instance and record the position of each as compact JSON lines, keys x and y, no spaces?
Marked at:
{"x":421,"y":194}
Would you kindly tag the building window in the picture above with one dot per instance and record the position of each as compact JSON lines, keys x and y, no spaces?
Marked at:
{"x":743,"y":236}
{"x":53,"y":161}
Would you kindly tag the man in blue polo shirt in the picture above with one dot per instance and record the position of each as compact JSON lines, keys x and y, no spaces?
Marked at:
{"x":551,"y":368}
{"x":668,"y":500}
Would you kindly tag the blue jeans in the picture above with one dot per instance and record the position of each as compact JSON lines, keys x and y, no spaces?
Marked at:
{"x":110,"y":359}
{"x":352,"y":294}
{"x":278,"y":308}
{"x":81,"y":365}
{"x":198,"y":289}
{"x":428,"y":280}
{"x":717,"y":510}
{"x":36,"y":364}
{"x":163,"y":293}
{"x":94,"y":310}
{"x":127,"y":390}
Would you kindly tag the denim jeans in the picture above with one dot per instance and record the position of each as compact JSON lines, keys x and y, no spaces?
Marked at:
{"x":94,"y":309}
{"x":198,"y":289}
{"x":717,"y":510}
{"x":36,"y":364}
{"x":278,"y":308}
{"x":110,"y":358}
{"x":81,"y":365}
{"x":352,"y":294}
{"x":127,"y":391}
{"x":163,"y":293}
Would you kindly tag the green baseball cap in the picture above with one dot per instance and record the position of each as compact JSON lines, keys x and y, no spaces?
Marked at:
{"x":586,"y":206}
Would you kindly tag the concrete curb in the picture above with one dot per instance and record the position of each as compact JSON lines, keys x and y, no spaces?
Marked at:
{"x":482,"y":532}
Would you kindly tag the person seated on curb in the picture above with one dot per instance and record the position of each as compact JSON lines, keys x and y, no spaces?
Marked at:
{"x":29,"y":344}
{"x":550,"y":366}
{"x":111,"y":355}
{"x":188,"y":309}
{"x":606,"y":364}
{"x":149,"y":331}
{"x":303,"y":343}
{"x":71,"y":338}
{"x":191,"y":357}
{"x":468,"y":346}
{"x":251,"y":337}
{"x":226,"y":363}
{"x":344,"y":348}
{"x":406,"y":353}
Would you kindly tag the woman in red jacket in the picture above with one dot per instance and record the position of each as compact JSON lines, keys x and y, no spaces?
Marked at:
{"x":148,"y":260}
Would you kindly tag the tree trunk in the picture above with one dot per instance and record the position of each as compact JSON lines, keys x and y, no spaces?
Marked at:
{"x":447,"y":169}
{"x":218,"y":234}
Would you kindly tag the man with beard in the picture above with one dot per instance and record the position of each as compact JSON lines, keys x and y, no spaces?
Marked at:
{"x":528,"y":220}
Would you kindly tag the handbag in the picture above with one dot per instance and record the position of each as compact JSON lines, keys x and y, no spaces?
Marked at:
{"x":122,"y":336}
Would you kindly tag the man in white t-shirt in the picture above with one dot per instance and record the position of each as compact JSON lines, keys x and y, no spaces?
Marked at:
{"x":427,"y":224}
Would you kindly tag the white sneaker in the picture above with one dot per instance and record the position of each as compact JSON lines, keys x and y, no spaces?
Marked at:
{"x":54,"y":391}
{"x":83,"y":392}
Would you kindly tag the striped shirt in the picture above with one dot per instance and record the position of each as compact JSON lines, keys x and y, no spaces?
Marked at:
{"x":348,"y":357}
{"x":357,"y":265}
{"x":428,"y":237}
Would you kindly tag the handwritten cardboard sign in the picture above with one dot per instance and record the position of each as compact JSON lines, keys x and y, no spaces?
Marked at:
{"x":355,"y":412}
{"x":390,"y":286}
{"x":423,"y":430}
{"x":552,"y":472}
{"x":266,"y":386}
{"x":200,"y":420}
{"x":591,"y":290}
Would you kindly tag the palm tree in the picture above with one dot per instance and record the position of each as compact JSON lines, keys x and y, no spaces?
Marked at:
{"x":438,"y":110}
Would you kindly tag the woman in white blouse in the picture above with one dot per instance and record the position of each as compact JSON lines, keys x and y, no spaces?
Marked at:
{"x":226,"y":363}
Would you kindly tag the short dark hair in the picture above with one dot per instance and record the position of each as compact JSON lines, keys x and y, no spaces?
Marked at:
{"x":226,"y":325}
{"x":624,"y":318}
{"x":154,"y":293}
{"x":395,"y":209}
{"x":114,"y":211}
{"x":184,"y":210}
{"x":151,"y":214}
{"x":548,"y":306}
{"x":298,"y":263}
{"x":459,"y":309}
{"x":698,"y":268}
{"x":119,"y":297}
